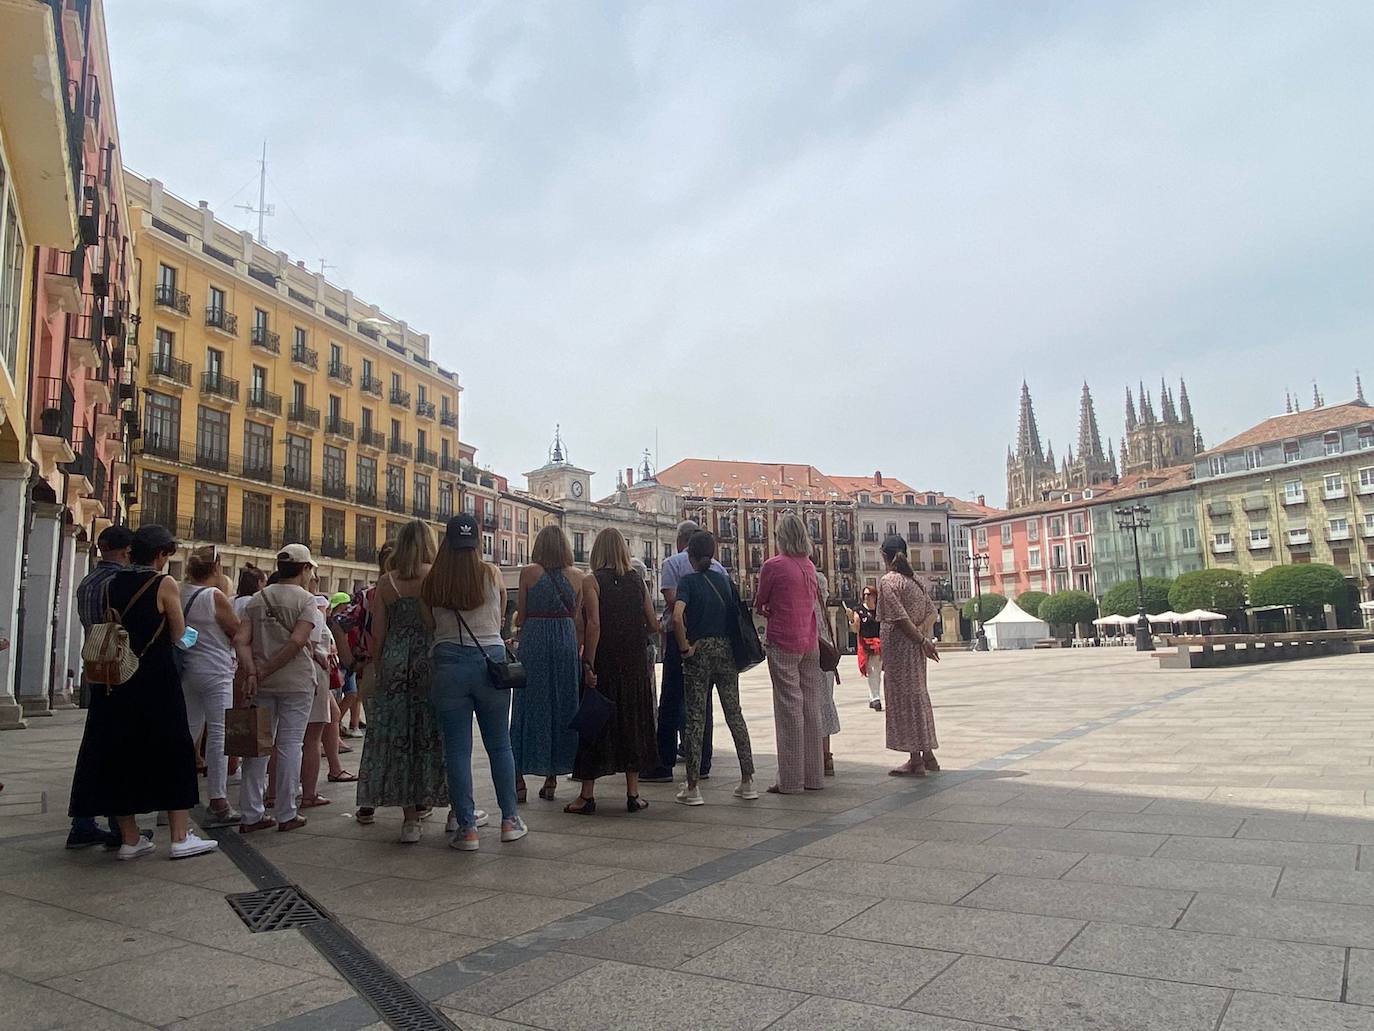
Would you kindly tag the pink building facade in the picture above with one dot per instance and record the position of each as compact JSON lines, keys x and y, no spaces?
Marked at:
{"x":1046,"y":547}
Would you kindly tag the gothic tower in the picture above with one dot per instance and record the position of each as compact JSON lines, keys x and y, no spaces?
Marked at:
{"x":1157,"y":441}
{"x":1091,"y":465}
{"x":1029,"y":470}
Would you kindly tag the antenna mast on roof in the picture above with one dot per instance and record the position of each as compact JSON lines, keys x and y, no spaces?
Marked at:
{"x":263,"y":207}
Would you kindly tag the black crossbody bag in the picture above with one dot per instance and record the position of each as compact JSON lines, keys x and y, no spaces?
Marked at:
{"x":507,"y":674}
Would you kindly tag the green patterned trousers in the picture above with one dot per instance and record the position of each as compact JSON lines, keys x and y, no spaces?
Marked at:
{"x":713,"y":663}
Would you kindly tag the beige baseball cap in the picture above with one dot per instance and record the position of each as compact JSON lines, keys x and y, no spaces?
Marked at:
{"x":296,"y":553}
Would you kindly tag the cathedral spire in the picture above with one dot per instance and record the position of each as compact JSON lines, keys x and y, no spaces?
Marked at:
{"x":1316,"y":396}
{"x":1027,"y":433}
{"x":1197,"y":440}
{"x":1359,"y":388}
{"x":1130,"y":411}
{"x":1049,"y":454}
{"x":1166,"y":403}
{"x":1111,"y":457}
{"x":1287,"y":402}
{"x":1147,"y":411}
{"x":1185,"y":407}
{"x":1089,"y":439}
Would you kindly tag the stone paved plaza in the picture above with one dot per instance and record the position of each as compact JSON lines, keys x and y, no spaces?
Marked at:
{"x":1110,"y":846}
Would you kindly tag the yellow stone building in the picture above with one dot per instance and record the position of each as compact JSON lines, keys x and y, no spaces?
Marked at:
{"x":1296,"y":488}
{"x":277,"y":407}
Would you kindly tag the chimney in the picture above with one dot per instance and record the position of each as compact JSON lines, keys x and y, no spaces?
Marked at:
{"x":877,"y":479}
{"x":629,"y":476}
{"x":982,"y":500}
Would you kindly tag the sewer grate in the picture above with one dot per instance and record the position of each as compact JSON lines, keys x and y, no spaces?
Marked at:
{"x":274,"y":909}
{"x":400,"y":1005}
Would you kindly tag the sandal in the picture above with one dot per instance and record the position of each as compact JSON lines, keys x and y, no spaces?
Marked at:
{"x":547,"y":791}
{"x":266,"y":823}
{"x":520,"y":791}
{"x":587,"y":808}
{"x":342,"y":777}
{"x":634,"y":804}
{"x":293,"y":824}
{"x":315,"y":803}
{"x":829,"y":765}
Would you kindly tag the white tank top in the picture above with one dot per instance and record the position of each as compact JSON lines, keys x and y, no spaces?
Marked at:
{"x":212,"y":656}
{"x":484,"y":622}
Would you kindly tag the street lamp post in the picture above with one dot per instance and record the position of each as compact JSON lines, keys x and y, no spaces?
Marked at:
{"x":1136,"y":518}
{"x":978,"y":564}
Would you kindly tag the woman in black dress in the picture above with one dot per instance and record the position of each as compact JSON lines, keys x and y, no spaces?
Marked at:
{"x":136,"y":754}
{"x":613,"y":653}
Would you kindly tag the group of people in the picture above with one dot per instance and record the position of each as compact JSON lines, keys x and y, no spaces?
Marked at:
{"x":425,"y":650}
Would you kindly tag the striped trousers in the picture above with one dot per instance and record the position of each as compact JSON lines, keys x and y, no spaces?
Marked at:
{"x":798,"y":684}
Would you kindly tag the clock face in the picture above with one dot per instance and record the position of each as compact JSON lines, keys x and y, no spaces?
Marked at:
{"x":548,"y":491}
{"x":577,"y":488}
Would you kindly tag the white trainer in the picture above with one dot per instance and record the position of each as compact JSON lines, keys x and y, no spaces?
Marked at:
{"x":690,"y":796}
{"x":513,"y":830}
{"x":746,"y":789}
{"x":194,"y":845}
{"x":143,"y":848}
{"x":480,"y":819}
{"x":410,"y":832}
{"x":466,"y":842}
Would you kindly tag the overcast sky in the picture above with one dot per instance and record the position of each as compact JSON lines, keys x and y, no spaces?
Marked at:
{"x":838,"y":233}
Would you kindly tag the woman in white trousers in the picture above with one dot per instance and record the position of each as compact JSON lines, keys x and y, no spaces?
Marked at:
{"x":207,"y":676}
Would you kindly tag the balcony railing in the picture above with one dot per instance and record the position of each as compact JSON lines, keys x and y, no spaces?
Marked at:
{"x":1260,"y":543}
{"x":403,"y":448}
{"x":302,"y":355}
{"x":264,"y":400}
{"x":1367,"y":527}
{"x":754,"y":536}
{"x":915,"y":537}
{"x":488,"y":521}
{"x":936,"y":537}
{"x":370,"y":385}
{"x":333,"y":547}
{"x":450,"y":465}
{"x":339,"y":427}
{"x":843,"y":535}
{"x":869,"y":536}
{"x":425,"y":456}
{"x":256,"y":535}
{"x":223,"y":320}
{"x":579,"y":555}
{"x":395,"y":502}
{"x":371,"y":438}
{"x":304,"y":415}
{"x":421,"y":511}
{"x":336,"y":489}
{"x":870,"y":566}
{"x":212,"y":456}
{"x":1223,"y":547}
{"x":1297,"y":537}
{"x":170,"y":368}
{"x":448,"y":418}
{"x":341,"y":372}
{"x":424,"y":409}
{"x":217,"y":384}
{"x":400,"y":398}
{"x":172,"y":299}
{"x":266,"y":339}
{"x":1298,"y":498}
{"x":294,"y":476}
{"x":56,"y":407}
{"x":1335,"y":534}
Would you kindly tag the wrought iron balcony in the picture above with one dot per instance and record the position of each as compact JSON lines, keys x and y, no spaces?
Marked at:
{"x":448,"y":418}
{"x":450,"y":465}
{"x":223,"y":320}
{"x":421,"y":511}
{"x":294,"y":476}
{"x":217,"y":384}
{"x":869,"y":536}
{"x":371,"y":385}
{"x":403,"y":448}
{"x":304,"y":415}
{"x":172,"y":299}
{"x":400,"y":398}
{"x":266,"y":339}
{"x":341,"y":372}
{"x":170,"y":368}
{"x":338,"y":427}
{"x":365,"y":495}
{"x":264,"y":400}
{"x":424,"y":409}
{"x":333,"y":547}
{"x":395,"y":502}
{"x":336,"y":489}
{"x":425,"y":456}
{"x":371,"y":438}
{"x":304,"y":356}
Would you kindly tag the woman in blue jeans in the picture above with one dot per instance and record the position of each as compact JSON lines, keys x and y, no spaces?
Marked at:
{"x":463,"y":601}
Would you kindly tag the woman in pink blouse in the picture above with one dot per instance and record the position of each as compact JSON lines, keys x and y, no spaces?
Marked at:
{"x":786,"y":597}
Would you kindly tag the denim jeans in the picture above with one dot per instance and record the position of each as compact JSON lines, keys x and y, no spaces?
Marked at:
{"x":461,"y":689}
{"x":672,"y":710}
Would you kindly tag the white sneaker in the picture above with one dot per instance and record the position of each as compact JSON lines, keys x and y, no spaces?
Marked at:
{"x":480,"y":819}
{"x":746,"y":789}
{"x":513,"y":830}
{"x":466,"y":842}
{"x":690,"y":796}
{"x":410,"y":832}
{"x":192,"y":846}
{"x":143,"y":848}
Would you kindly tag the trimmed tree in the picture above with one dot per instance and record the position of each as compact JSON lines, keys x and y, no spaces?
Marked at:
{"x":1068,"y":609}
{"x":1030,"y":601}
{"x":1306,"y":587}
{"x":992,"y":603}
{"x":1220,"y":590}
{"x":1124,"y":598}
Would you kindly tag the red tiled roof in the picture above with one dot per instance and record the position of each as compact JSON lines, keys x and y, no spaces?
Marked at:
{"x":1154,"y":481}
{"x":1297,"y":424}
{"x":852,"y":485}
{"x":702,"y":476}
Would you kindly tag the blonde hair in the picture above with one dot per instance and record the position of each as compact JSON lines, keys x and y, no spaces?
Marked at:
{"x":202,"y":562}
{"x":609,"y":551}
{"x":414,"y":548}
{"x":551,"y":548}
{"x":792,"y":538}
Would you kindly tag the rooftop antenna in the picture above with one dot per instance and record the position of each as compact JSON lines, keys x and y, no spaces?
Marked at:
{"x":263,"y":207}
{"x":325,"y":265}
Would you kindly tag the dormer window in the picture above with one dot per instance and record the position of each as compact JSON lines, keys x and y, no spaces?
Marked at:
{"x":863,"y":498}
{"x":887,"y":499}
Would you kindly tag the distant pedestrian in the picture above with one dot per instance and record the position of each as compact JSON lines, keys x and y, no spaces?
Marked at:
{"x":364,"y":668}
{"x":251,"y":581}
{"x":207,"y":673}
{"x":463,"y":602}
{"x":906,"y":612}
{"x":614,"y":645}
{"x":672,"y":709}
{"x":703,"y":612}
{"x":403,"y":753}
{"x":549,"y":613}
{"x":786,"y":596}
{"x":136,"y":753}
{"x":863,"y":620}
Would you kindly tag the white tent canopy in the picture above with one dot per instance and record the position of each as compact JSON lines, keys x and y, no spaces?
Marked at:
{"x":1201,"y":616}
{"x":1167,"y":616}
{"x":1114,"y":621}
{"x":1014,"y":627}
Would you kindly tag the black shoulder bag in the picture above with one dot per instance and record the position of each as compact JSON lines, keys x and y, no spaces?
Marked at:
{"x":744,"y":636}
{"x":506,"y":674}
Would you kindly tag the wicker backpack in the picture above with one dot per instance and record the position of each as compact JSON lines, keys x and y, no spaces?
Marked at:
{"x":107,"y":657}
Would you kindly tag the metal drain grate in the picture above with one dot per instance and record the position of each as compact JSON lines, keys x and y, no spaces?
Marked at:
{"x":274,"y":909}
{"x":400,"y":1005}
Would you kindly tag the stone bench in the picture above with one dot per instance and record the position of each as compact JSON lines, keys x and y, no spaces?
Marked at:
{"x":1201,"y":652}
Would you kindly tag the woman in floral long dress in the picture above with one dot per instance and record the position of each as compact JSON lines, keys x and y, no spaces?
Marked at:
{"x":403,"y":754}
{"x":906,"y":613}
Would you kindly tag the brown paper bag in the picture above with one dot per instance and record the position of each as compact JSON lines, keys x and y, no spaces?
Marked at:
{"x":247,"y":732}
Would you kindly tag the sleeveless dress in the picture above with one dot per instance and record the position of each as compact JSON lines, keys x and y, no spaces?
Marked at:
{"x":542,"y":710}
{"x":910,"y":717}
{"x":136,"y":752}
{"x":628,"y":740}
{"x":403,"y":754}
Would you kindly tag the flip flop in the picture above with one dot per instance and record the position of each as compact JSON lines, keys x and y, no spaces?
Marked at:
{"x":906,"y":773}
{"x":341,"y":778}
{"x":315,"y":803}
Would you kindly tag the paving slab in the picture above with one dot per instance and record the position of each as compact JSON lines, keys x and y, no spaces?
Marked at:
{"x":1252,"y":1012}
{"x":1120,"y":843}
{"x":1177,"y":874}
{"x":1080,"y":900}
{"x":1352,"y":886}
{"x":1029,"y":862}
{"x":1288,"y":968}
{"x":663,"y":940}
{"x":822,"y":1014}
{"x":799,"y":909}
{"x":963,"y":929}
{"x":1283,"y":919}
{"x":1359,"y":832}
{"x":29,"y":1006}
{"x":1042,"y":998}
{"x":1261,"y":853}
{"x":1218,"y":825}
{"x":1360,"y":976}
{"x":890,"y":880}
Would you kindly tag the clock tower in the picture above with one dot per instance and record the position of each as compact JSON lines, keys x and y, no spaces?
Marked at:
{"x":558,"y":480}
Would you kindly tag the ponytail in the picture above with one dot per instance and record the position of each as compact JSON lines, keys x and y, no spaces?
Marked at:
{"x":903,"y":565}
{"x":894,"y":550}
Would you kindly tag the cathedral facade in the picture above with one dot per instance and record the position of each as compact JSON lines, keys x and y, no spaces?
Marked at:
{"x":1151,"y":441}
